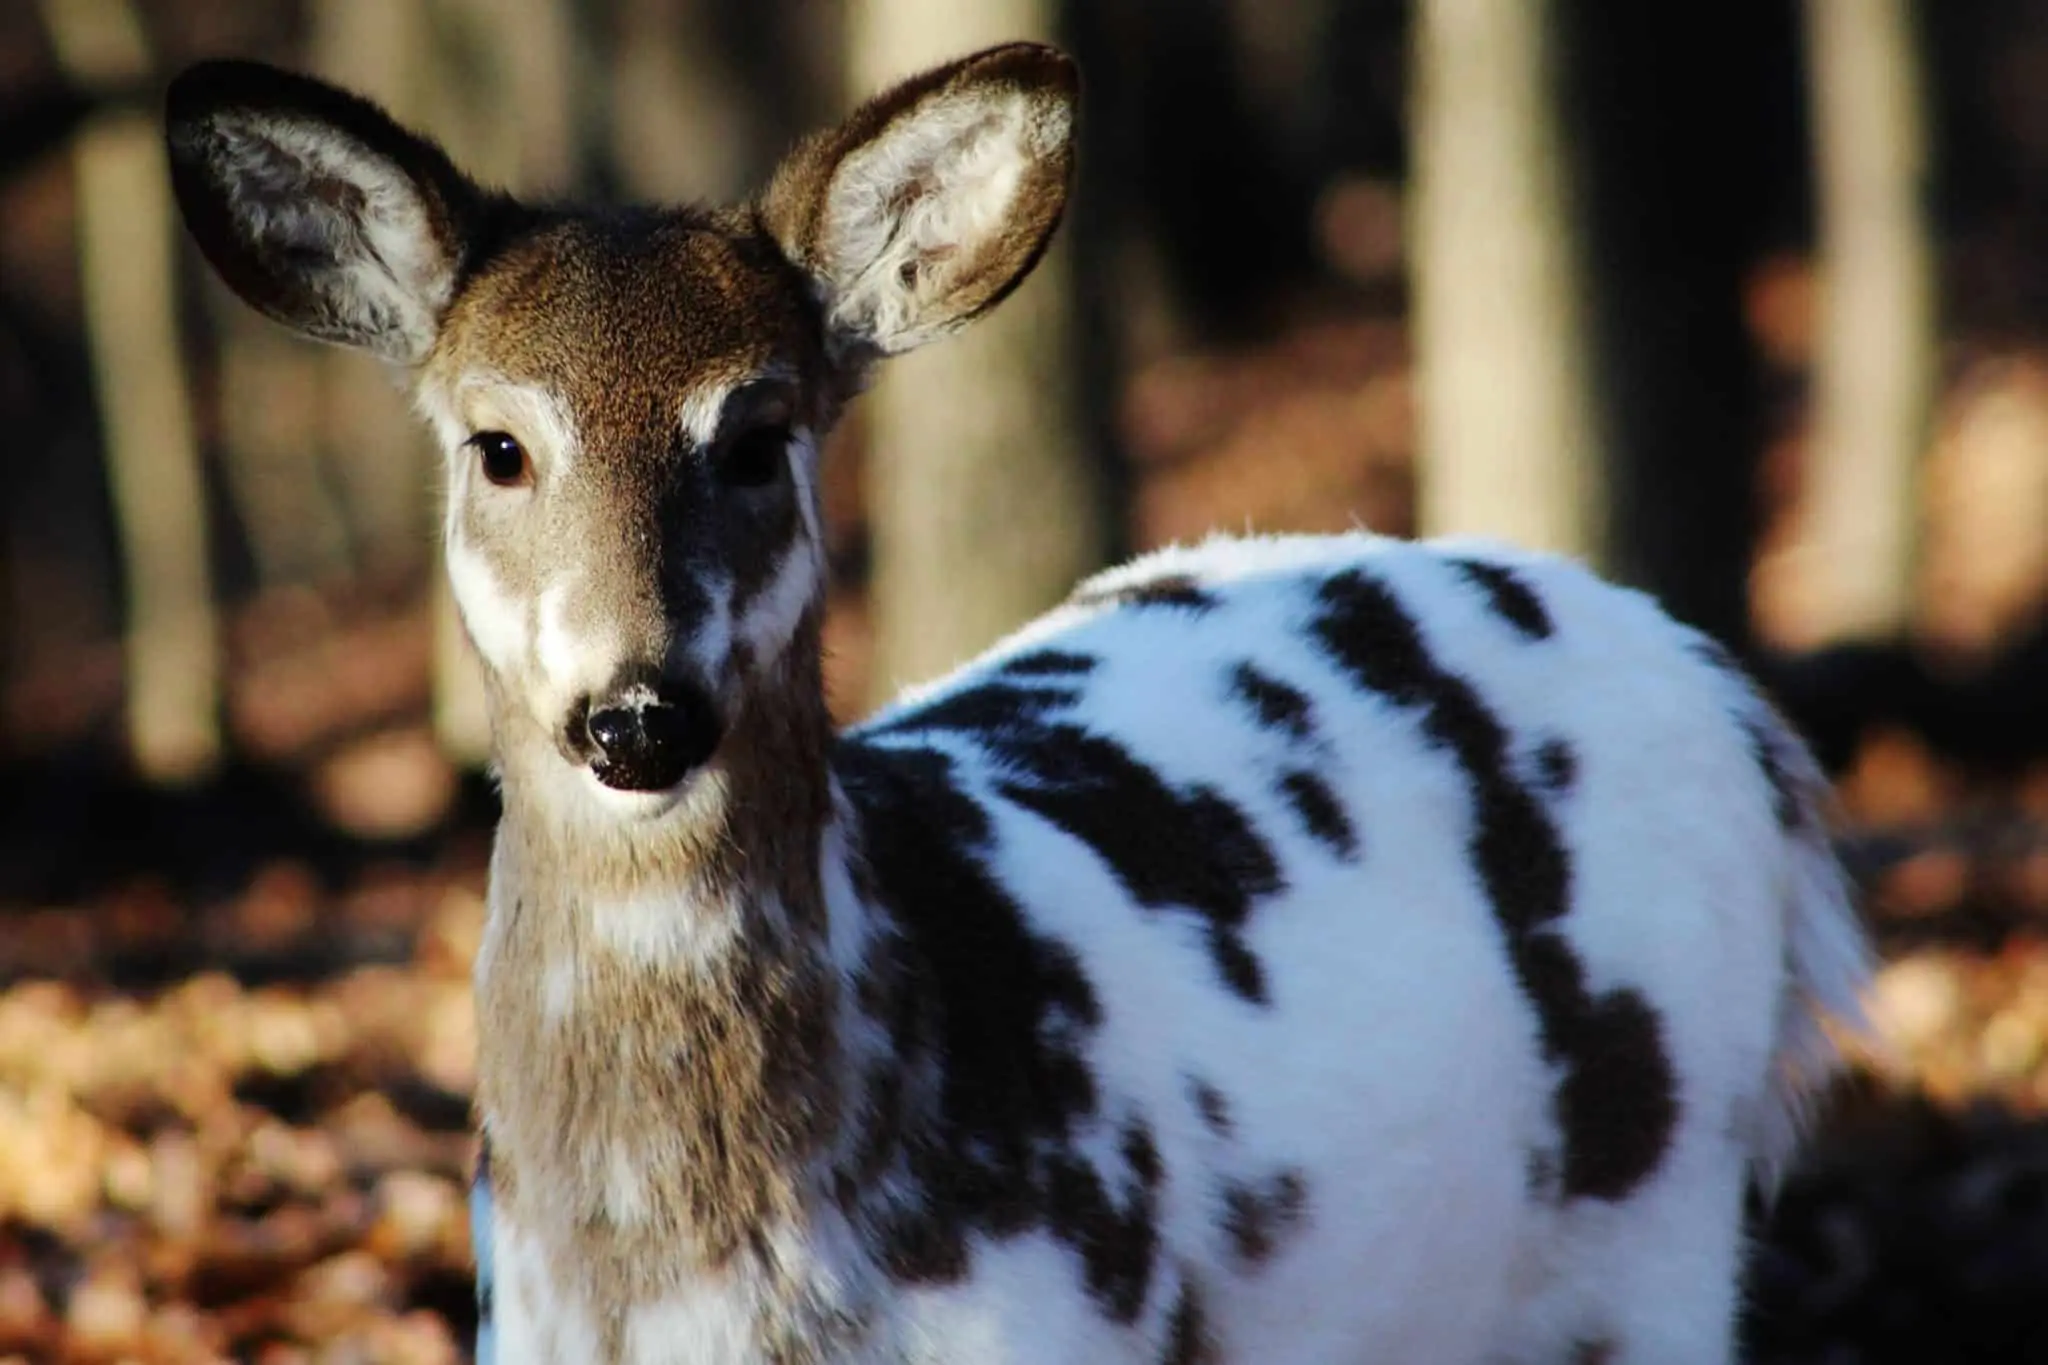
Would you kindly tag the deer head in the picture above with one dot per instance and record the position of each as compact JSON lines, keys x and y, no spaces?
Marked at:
{"x":630,"y":401}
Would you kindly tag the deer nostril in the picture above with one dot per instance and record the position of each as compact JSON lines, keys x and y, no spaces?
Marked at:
{"x":649,"y":742}
{"x":616,"y":730}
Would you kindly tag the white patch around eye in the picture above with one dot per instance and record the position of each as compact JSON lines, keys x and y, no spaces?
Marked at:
{"x":701,"y":411}
{"x":772,"y":617}
{"x":496,"y":619}
{"x":538,"y":418}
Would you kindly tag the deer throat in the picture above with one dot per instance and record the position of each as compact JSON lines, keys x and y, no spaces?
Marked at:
{"x":658,"y":1071}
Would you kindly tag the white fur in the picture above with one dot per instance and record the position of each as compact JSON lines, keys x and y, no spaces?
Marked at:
{"x":537,"y":1319}
{"x":560,"y":654}
{"x":769,"y":621}
{"x":558,"y":989}
{"x":803,"y":464}
{"x":537,"y":417}
{"x":666,"y":929}
{"x":1394,"y":1067}
{"x":496,"y":620}
{"x":701,"y":411}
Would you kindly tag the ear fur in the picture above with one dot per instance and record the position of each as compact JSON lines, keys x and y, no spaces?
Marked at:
{"x":317,"y":208}
{"x":933,"y":200}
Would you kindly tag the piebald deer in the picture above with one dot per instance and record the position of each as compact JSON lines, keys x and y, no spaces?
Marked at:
{"x":1288,"y":951}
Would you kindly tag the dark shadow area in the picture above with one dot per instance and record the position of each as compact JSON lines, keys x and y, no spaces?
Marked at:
{"x":1908,"y":1235}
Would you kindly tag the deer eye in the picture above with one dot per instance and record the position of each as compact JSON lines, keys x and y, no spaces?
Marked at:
{"x":503,"y":459}
{"x":756,"y":458}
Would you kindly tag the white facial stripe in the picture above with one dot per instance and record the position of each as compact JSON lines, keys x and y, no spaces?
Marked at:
{"x":557,"y":650}
{"x":712,"y":643}
{"x":803,"y":455}
{"x":772,"y":618}
{"x":496,"y":619}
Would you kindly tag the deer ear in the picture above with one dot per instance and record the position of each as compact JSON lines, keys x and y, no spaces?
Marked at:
{"x":318,"y":209}
{"x":934,"y":199}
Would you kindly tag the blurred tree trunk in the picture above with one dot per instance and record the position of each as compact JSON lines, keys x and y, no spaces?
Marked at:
{"x":680,"y":127}
{"x":1510,"y":443}
{"x":378,"y":460}
{"x":1675,"y":122}
{"x":1874,"y":367}
{"x":130,"y":289}
{"x":984,"y":500}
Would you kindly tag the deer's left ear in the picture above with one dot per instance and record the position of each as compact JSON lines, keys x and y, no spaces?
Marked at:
{"x":934,"y":199}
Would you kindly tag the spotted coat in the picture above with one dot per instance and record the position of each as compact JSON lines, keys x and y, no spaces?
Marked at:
{"x":1468,"y":1057}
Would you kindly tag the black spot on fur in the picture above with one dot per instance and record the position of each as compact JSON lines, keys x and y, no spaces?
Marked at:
{"x":1188,"y":1341}
{"x":1617,"y":1102}
{"x":1617,"y":1105}
{"x":1118,"y":1239}
{"x":1541,"y":1175}
{"x":1210,"y":1104}
{"x":991,"y":706}
{"x":1190,"y":849}
{"x":1599,"y":1351}
{"x":1511,"y":599}
{"x":1052,"y":663}
{"x":1179,"y":591}
{"x":1322,"y":815}
{"x":1255,"y":1216}
{"x":1279,"y":706}
{"x":999,"y":1009}
{"x":1557,"y":766}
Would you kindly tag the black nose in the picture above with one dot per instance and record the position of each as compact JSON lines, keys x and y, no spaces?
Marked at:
{"x":648,"y":739}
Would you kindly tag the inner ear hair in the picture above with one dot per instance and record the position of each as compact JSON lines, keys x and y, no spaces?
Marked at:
{"x":319,"y":209}
{"x":934,"y":199}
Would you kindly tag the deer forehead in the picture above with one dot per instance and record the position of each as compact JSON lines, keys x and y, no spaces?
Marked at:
{"x":618,"y":336}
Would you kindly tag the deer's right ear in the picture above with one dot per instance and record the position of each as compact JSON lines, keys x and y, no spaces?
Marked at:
{"x":318,"y":209}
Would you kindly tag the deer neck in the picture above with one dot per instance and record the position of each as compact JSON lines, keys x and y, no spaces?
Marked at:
{"x":658,"y":1062}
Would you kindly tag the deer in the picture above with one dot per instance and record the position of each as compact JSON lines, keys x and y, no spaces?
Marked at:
{"x":1289,"y":949}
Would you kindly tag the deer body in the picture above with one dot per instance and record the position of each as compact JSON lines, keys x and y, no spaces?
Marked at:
{"x":1289,"y":950}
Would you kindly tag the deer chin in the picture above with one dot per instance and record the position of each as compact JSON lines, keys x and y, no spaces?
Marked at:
{"x":697,"y":788}
{"x":644,"y":776}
